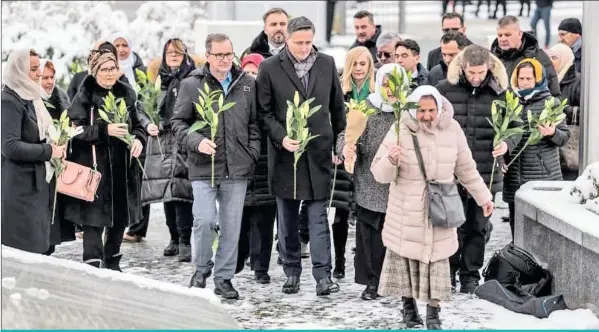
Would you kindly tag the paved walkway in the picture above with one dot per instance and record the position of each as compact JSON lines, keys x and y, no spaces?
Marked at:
{"x":266,"y":307}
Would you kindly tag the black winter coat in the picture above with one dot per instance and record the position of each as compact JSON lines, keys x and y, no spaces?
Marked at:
{"x":260,"y":46}
{"x":370,"y":44}
{"x":529,"y":49}
{"x":343,"y":196}
{"x":437,"y":74}
{"x":277,"y":83}
{"x":25,"y":193}
{"x":472,"y":107}
{"x":238,"y":136}
{"x":117,"y":198}
{"x":79,"y":77}
{"x":570,"y":88}
{"x":539,"y":162}
{"x":422,"y":78}
{"x":59,"y":101}
{"x":166,"y":160}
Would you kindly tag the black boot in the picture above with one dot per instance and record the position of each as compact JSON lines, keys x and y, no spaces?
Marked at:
{"x":262,"y":277}
{"x":225,"y":289}
{"x":326,"y":286}
{"x":113,"y":263}
{"x":468,"y":285}
{"x":172,"y":249}
{"x":370,"y":293}
{"x":98,"y":263}
{"x":198,"y":279}
{"x":410,"y":312}
{"x":432,"y":318}
{"x":185,"y":247}
{"x":452,"y":273}
{"x":339,"y":271}
{"x":292,"y":285}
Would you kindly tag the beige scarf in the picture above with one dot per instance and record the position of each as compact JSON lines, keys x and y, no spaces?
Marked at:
{"x":16,"y":77}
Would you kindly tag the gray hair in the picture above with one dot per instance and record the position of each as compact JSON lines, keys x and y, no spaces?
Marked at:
{"x":476,"y":55}
{"x":388,"y":38}
{"x":216,"y":37}
{"x":300,"y":23}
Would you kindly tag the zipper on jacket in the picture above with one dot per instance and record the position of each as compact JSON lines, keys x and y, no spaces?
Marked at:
{"x":224,"y":124}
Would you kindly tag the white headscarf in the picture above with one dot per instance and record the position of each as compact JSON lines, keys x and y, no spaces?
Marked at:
{"x":426,"y":90}
{"x":126,"y":65}
{"x":375,"y":98}
{"x":43,"y":93}
{"x":16,"y":77}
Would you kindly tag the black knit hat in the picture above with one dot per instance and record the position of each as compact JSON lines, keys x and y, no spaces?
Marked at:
{"x":571,"y":24}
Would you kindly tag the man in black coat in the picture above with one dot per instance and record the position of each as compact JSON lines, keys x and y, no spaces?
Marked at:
{"x":450,"y":22}
{"x":366,"y":31}
{"x":475,"y":79}
{"x":272,"y":39}
{"x":513,"y":45}
{"x":301,"y":68}
{"x":569,"y":32}
{"x":407,"y":55}
{"x":452,"y":43}
{"x":233,"y":152}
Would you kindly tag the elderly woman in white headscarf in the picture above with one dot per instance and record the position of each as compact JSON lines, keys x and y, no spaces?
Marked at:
{"x":56,"y":99}
{"x":26,"y":210}
{"x":417,"y":259}
{"x":371,"y":196}
{"x":129,"y":61}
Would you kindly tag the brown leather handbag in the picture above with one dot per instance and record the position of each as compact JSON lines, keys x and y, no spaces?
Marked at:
{"x":80,"y":181}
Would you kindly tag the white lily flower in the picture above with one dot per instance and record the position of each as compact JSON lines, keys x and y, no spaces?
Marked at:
{"x":53,"y":133}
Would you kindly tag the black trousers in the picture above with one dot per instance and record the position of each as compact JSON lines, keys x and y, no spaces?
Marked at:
{"x":512,"y":209}
{"x":141,"y":228}
{"x":256,"y":237}
{"x":340,"y":231}
{"x":96,"y":249}
{"x":319,"y":237}
{"x":500,"y":3}
{"x":472,"y":237}
{"x":330,"y":19}
{"x":370,"y":251}
{"x":179,"y":220}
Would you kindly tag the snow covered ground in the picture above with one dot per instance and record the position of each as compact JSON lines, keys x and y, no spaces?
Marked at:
{"x":266,"y":307}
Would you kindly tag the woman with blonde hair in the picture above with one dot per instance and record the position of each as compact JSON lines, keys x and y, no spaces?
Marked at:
{"x":357,"y":80}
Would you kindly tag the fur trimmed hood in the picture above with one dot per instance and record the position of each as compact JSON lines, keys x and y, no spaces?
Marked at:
{"x":455,"y":70}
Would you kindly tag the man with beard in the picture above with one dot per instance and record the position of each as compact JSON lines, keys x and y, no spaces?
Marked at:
{"x":301,"y":68}
{"x":475,"y":78}
{"x":449,"y":22}
{"x":272,"y":40}
{"x":452,"y":43}
{"x":366,"y":31}
{"x":513,"y":45}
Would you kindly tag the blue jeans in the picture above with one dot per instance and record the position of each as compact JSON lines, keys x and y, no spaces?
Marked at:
{"x":545,"y":15}
{"x":319,"y":237}
{"x":230,"y":195}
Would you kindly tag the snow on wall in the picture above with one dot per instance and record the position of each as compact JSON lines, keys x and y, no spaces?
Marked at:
{"x":64,"y":30}
{"x":586,"y":189}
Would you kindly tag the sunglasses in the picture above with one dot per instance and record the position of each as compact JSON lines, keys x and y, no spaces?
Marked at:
{"x":446,"y":30}
{"x":381,"y":54}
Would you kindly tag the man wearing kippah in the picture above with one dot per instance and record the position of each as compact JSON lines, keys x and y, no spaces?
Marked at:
{"x":569,"y":32}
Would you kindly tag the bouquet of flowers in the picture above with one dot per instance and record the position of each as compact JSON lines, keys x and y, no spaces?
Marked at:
{"x":297,"y":129}
{"x":357,"y":117}
{"x":208,"y":115}
{"x":115,"y":111}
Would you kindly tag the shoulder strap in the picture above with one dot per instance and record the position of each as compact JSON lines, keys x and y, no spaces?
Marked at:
{"x":91,"y":123}
{"x":419,"y":155}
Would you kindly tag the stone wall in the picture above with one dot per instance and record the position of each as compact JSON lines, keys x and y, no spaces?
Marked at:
{"x":564,"y":238}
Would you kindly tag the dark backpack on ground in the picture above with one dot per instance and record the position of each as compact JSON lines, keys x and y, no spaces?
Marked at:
{"x":512,"y":265}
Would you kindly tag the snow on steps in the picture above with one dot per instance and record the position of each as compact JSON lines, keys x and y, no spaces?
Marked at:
{"x":42,"y":292}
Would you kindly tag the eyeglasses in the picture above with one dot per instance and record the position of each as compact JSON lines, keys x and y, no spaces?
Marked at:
{"x":110,"y":70}
{"x":446,"y":30}
{"x":381,"y":54}
{"x":220,"y":56}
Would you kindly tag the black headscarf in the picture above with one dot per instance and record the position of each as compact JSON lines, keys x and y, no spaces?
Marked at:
{"x":170,"y":79}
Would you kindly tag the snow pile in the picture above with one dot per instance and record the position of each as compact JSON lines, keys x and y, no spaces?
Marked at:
{"x":65,"y":31}
{"x":157,"y":22}
{"x":586,"y":188}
